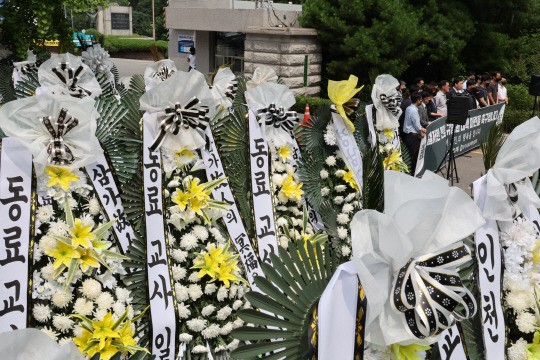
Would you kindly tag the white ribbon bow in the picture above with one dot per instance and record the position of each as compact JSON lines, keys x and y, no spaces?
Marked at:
{"x":157,"y":72}
{"x":59,"y":130}
{"x":387,"y":101}
{"x":261,"y":75}
{"x":508,"y":185}
{"x":224,"y":87}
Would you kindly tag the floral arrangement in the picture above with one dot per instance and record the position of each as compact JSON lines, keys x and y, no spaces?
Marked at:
{"x":521,"y":283}
{"x":207,"y":277}
{"x":77,"y":267}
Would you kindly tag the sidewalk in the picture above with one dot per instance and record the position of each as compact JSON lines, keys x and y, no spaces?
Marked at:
{"x":129,"y":67}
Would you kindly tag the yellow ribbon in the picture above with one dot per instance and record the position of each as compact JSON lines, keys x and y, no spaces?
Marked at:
{"x":340,"y":92}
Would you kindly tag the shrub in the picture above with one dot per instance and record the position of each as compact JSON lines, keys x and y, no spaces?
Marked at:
{"x":314,"y":104}
{"x":519,"y":98}
{"x":514,"y":117}
{"x":116,"y":44}
{"x":100,"y":38}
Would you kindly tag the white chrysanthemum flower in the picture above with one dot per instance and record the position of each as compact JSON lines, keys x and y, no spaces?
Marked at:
{"x":47,"y":243}
{"x":284,"y":242}
{"x":338,"y":200}
{"x":222,"y":293}
{"x":330,"y":137}
{"x":104,"y":301}
{"x":347,"y":208}
{"x":42,"y":313}
{"x":526,"y":322}
{"x":325,"y":191}
{"x":196,"y":325}
{"x":237,"y":304}
{"x":232,"y":291}
{"x":179,"y":255}
{"x":233,"y":345}
{"x":50,"y":333}
{"x":342,"y":232}
{"x":323,"y":174}
{"x":518,"y":350}
{"x":83,"y":307}
{"x":330,"y":161}
{"x":340,"y":188}
{"x":44,"y":213}
{"x":238,"y":323}
{"x":47,"y":272}
{"x":182,"y":293}
{"x":118,"y":308}
{"x":61,"y":299}
{"x":226,"y":329}
{"x":58,"y":227}
{"x":277,"y":179}
{"x":62,"y":323}
{"x":208,"y":310}
{"x":340,"y":173}
{"x":223,"y":313}
{"x":189,"y":241}
{"x":343,"y":218}
{"x":278,"y":166}
{"x":520,"y":300}
{"x":87,"y":220}
{"x":199,"y":349}
{"x":345,"y":250}
{"x":123,"y":295}
{"x":211,"y":331}
{"x":178,"y":272}
{"x":100,"y":314}
{"x":281,"y":221}
{"x":200,"y":232}
{"x":350,"y":197}
{"x":195,"y":291}
{"x":185,"y":337}
{"x":93,"y":206}
{"x":209,"y":289}
{"x":183,"y":311}
{"x":65,"y":340}
{"x":77,"y":331}
{"x":91,"y":288}
{"x":194,"y":277}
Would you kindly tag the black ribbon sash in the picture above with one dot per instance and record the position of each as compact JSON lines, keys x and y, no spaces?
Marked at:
{"x":164,"y":73}
{"x":178,"y":118}
{"x":511,"y":190}
{"x":28,"y":68}
{"x":231,"y":90}
{"x":278,"y":118}
{"x":59,"y":152}
{"x":427,"y":291}
{"x":71,"y":77}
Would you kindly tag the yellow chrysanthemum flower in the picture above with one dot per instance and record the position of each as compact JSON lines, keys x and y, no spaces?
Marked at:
{"x":61,"y":177}
{"x":291,"y":189}
{"x":285,"y":152}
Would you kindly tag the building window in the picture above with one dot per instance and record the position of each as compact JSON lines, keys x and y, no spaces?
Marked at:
{"x":230,"y":51}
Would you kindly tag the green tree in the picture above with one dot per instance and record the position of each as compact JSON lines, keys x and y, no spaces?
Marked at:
{"x":366,"y":37}
{"x":28,"y":23}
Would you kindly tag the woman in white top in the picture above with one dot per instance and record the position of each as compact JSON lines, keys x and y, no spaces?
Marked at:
{"x":191,"y":59}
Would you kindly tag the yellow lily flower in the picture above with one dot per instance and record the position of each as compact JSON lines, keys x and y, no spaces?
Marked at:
{"x":349,"y":179}
{"x":389,"y":133}
{"x":63,"y":254}
{"x":197,"y":190}
{"x":103,"y":330}
{"x":87,"y":259}
{"x":82,"y":235}
{"x":82,"y":341}
{"x":184,"y":153}
{"x":108,"y":350}
{"x":197,"y":205}
{"x":99,"y":245}
{"x":536,"y":252}
{"x":408,"y":352}
{"x":181,"y":198}
{"x":342,"y":91}
{"x":533,"y":349}
{"x":210,"y":266}
{"x":290,"y":189}
{"x":61,"y":177}
{"x":225,"y":275}
{"x":285,"y":152}
{"x":126,"y":334}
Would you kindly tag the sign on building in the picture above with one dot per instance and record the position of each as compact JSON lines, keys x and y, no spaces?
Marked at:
{"x":185,"y":42}
{"x":120,"y":21}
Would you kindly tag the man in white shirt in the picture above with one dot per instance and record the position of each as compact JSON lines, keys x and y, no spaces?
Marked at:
{"x":191,"y":59}
{"x":412,"y":129}
{"x":502,"y":93}
{"x":440,"y":98}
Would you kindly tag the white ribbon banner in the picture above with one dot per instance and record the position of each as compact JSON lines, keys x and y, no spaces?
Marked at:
{"x":349,"y":148}
{"x":451,"y":346}
{"x":162,"y":307}
{"x":263,"y":207}
{"x":15,"y":224}
{"x":490,"y":272}
{"x":531,"y":213}
{"x":102,"y":178}
{"x":369,"y":118}
{"x":233,"y":220}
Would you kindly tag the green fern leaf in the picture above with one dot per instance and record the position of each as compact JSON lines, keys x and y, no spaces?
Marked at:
{"x":491,"y":144}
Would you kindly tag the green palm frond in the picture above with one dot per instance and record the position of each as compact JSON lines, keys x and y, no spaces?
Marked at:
{"x":107,"y":88}
{"x":311,"y":135}
{"x":309,"y":169}
{"x":293,"y":287}
{"x":231,"y":135}
{"x":373,"y":182}
{"x":361,"y":128}
{"x":239,"y":99}
{"x":406,"y":156}
{"x":491,"y":144}
{"x":132,"y":198}
{"x":536,"y":181}
{"x":27,"y":86}
{"x":7,"y":91}
{"x":136,"y":84}
{"x":115,"y":73}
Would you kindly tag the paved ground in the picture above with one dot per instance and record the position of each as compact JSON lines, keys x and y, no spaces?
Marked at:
{"x":470,"y":167}
{"x":129,"y":67}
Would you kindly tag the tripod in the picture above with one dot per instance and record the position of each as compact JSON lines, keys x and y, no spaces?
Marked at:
{"x":451,"y":166}
{"x":535,"y":105}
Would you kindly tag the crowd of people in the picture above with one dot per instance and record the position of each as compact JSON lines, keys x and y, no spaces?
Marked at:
{"x":423,"y":103}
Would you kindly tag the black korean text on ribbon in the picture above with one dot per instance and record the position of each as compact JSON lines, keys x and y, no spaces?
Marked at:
{"x":279,"y":118}
{"x":392,"y":103}
{"x":178,"y":118}
{"x":164,"y":73}
{"x":71,"y":77}
{"x":511,"y":190}
{"x":59,"y":152}
{"x":427,"y":291}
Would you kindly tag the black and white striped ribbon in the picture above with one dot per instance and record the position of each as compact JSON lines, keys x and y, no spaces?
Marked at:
{"x":278,"y":118}
{"x":191,"y":116}
{"x":59,"y":152}
{"x":428,"y":289}
{"x":70,"y":77}
{"x":231,"y":90}
{"x":164,"y":73}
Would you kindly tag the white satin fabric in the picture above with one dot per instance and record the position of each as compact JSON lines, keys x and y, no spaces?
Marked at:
{"x":261,"y":75}
{"x":384,"y":84}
